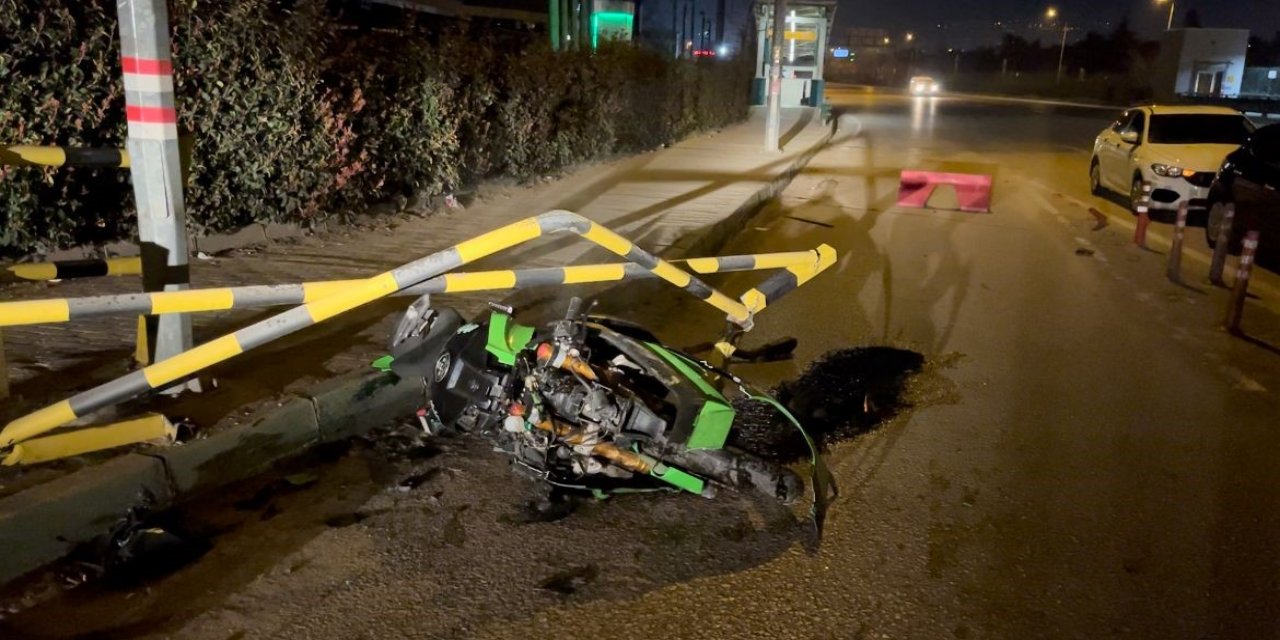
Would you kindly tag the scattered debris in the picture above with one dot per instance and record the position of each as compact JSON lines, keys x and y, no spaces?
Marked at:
{"x":1083,"y":251}
{"x":455,"y":534}
{"x":451,"y":201}
{"x":414,"y":481}
{"x":569,"y":581}
{"x":133,"y":553}
{"x":1100,"y":219}
{"x":812,"y":222}
{"x":302,"y":479}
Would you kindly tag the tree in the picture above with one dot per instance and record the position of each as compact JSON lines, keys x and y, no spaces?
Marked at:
{"x":1192,"y":20}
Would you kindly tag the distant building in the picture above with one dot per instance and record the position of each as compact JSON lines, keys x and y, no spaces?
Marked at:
{"x":1201,"y":62}
{"x":865,"y":38}
{"x":1261,"y":82}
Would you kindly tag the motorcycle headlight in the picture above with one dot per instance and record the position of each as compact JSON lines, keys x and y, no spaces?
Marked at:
{"x":1167,"y":170}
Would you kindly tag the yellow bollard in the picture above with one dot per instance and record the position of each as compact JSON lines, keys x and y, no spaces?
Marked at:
{"x":89,"y":439}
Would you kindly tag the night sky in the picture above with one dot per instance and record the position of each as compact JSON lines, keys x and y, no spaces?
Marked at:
{"x":969,"y":23}
{"x":965,"y":19}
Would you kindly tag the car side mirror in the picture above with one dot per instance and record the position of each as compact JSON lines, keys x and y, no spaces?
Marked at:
{"x":1129,"y":137}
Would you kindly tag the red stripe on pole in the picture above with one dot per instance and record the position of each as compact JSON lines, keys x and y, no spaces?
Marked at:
{"x":146,"y":66}
{"x":161,"y":115}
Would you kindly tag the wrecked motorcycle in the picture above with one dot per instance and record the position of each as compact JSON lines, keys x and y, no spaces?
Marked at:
{"x":592,"y":403}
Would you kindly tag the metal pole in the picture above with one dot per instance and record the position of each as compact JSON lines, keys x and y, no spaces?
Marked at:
{"x":156,"y":164}
{"x":553,"y":24}
{"x":1062,"y":52}
{"x":675,"y":26}
{"x":688,"y":28}
{"x":773,"y":119}
{"x":588,"y":37}
{"x":1221,"y":247}
{"x":1172,"y":4}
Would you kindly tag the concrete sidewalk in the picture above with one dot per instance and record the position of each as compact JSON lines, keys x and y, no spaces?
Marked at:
{"x":682,"y":201}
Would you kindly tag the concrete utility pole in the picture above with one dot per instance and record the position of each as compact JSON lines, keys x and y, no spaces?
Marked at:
{"x":688,"y":27}
{"x":1062,"y":52}
{"x":773,"y":119}
{"x":720,"y":37}
{"x":675,"y":26}
{"x":156,"y":165}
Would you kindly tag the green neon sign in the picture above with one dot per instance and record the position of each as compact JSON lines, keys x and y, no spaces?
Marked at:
{"x":613,"y":21}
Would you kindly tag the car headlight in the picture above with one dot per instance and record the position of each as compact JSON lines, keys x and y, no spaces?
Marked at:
{"x":934,"y":88}
{"x":1167,"y":170}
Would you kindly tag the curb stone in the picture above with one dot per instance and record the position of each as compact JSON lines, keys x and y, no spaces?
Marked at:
{"x":48,"y":521}
{"x":43,"y":524}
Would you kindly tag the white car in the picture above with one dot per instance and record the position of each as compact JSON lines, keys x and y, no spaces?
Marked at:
{"x":923,"y":85}
{"x":1178,"y":149}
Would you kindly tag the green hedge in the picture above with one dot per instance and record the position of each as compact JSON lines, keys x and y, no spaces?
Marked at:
{"x":297,"y":117}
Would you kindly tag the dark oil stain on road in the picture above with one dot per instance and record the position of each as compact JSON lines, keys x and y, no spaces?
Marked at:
{"x":842,"y":394}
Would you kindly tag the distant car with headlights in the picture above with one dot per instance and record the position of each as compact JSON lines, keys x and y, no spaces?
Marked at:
{"x":1177,"y":148}
{"x":1250,"y":180}
{"x":923,"y":86}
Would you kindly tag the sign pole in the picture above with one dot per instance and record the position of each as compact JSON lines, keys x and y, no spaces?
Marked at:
{"x":773,"y":119}
{"x":156,"y":165}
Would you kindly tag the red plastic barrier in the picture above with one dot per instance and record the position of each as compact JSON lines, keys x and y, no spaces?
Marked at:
{"x":973,"y":191}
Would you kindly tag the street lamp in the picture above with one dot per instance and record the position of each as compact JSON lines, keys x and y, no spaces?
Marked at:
{"x":910,"y":36}
{"x":1052,"y":13}
{"x":1172,"y":4}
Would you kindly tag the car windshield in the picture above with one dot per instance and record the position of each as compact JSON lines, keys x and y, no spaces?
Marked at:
{"x":1199,"y":129}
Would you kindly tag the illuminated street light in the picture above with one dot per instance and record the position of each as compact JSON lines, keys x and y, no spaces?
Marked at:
{"x":1051,"y":13}
{"x":886,"y":41}
{"x":1172,"y":4}
{"x":910,"y":36}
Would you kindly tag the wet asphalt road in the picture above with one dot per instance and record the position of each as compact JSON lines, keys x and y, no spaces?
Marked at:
{"x":1088,"y":457}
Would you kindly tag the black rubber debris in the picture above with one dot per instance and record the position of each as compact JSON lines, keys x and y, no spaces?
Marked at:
{"x":842,"y":394}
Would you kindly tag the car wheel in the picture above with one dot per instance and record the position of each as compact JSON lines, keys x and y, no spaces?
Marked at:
{"x":1213,"y":224}
{"x":1095,"y":178}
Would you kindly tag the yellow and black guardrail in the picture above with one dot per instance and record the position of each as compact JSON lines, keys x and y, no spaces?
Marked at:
{"x":57,"y":310}
{"x":67,"y":269}
{"x":331,"y":299}
{"x":25,"y":155}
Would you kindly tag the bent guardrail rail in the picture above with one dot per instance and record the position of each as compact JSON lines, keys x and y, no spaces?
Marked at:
{"x":58,"y":310}
{"x":361,"y":292}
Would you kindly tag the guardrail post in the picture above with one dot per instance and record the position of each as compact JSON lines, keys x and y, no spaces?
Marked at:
{"x":1175,"y":252}
{"x":1222,"y":246}
{"x":1240,"y":291}
{"x":156,"y":162}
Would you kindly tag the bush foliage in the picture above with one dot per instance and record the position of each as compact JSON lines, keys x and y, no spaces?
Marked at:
{"x":298,"y":116}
